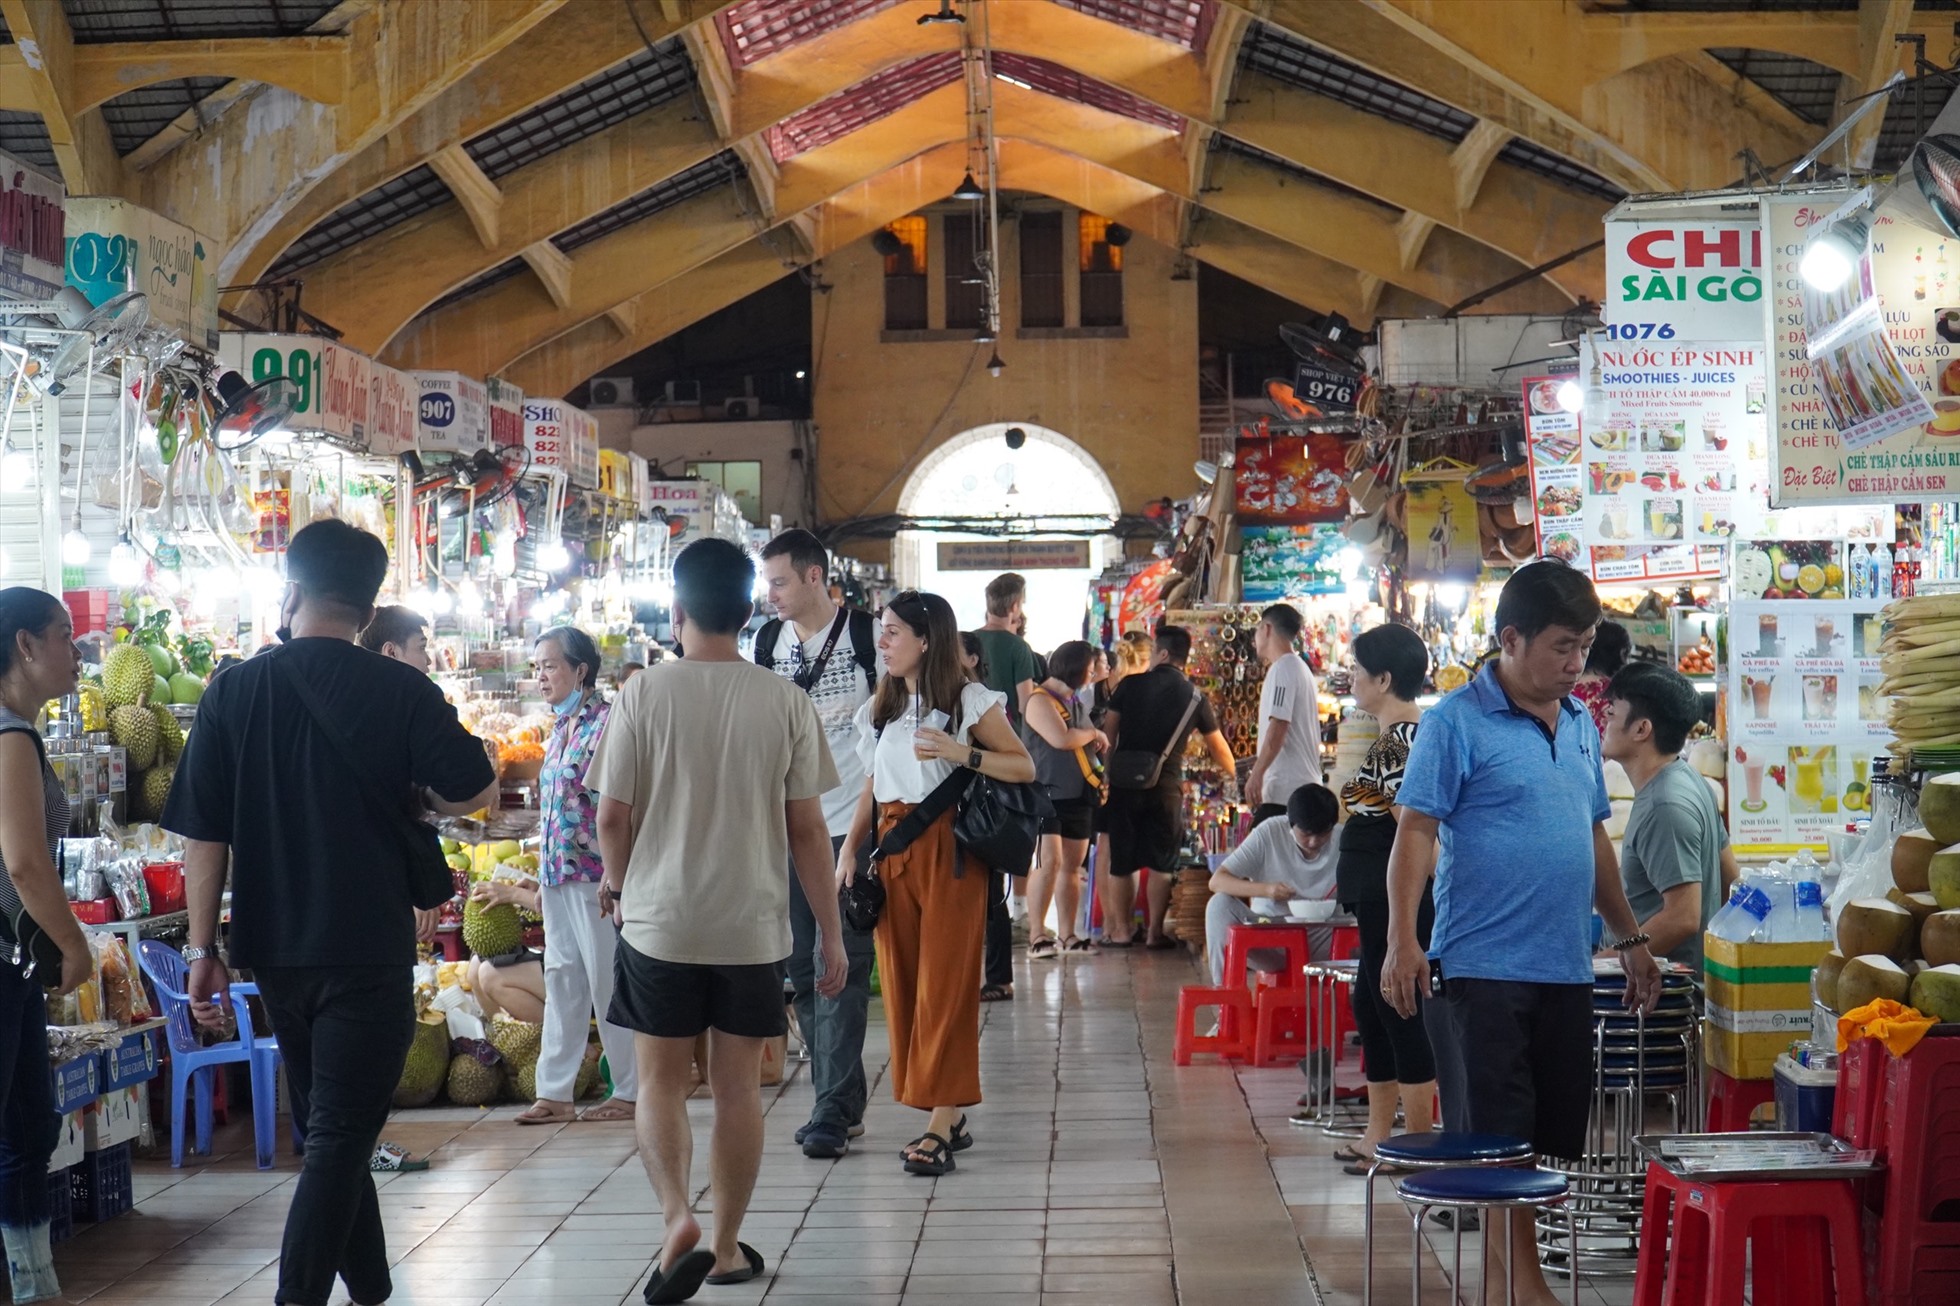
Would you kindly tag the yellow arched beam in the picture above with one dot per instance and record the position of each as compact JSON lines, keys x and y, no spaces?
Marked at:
{"x":1665,"y":125}
{"x":374,"y":289}
{"x":83,"y":148}
{"x":1619,"y":41}
{"x":577,"y":42}
{"x":311,"y":67}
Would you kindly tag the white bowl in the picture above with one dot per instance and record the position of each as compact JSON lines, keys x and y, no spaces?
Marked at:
{"x":1311,"y":911}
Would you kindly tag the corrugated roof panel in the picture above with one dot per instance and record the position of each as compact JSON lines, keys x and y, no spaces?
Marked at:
{"x":1556,"y":167}
{"x":698,"y":180}
{"x":755,"y":29}
{"x":25,"y":136}
{"x":873,"y":98}
{"x":482,"y":281}
{"x":1181,"y":22}
{"x":413,"y":192}
{"x":648,"y":79}
{"x":1287,"y":58}
{"x":135,"y":116}
{"x":97,"y":21}
{"x":1804,"y":87}
{"x":1067,"y":84}
{"x":1223,"y":144}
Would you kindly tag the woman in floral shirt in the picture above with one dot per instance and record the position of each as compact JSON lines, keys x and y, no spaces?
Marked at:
{"x":579,"y":942}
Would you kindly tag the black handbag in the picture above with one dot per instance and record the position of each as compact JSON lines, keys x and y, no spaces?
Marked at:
{"x":1137,"y":768}
{"x":430,"y":883}
{"x":33,"y":949}
{"x":999,"y":824}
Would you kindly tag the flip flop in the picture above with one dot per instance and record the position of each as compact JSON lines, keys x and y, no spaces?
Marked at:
{"x":681,"y":1282}
{"x":1348,"y":1154}
{"x":390,"y":1158}
{"x":996,"y":993}
{"x":1161,"y":945}
{"x":532,"y":1116}
{"x":607,"y":1112}
{"x":743,"y":1275}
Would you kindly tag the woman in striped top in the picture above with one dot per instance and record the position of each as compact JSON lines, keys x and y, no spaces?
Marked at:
{"x":38,"y":662}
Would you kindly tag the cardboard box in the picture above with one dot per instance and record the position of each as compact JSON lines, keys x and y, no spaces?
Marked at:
{"x":77,"y":1082}
{"x":1758,"y":1002}
{"x":133,"y":1062}
{"x":68,"y":1146}
{"x":115,"y":1117}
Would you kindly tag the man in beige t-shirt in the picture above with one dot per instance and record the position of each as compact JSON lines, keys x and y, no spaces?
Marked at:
{"x":710,"y":777}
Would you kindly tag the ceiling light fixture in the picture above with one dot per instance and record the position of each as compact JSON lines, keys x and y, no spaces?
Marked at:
{"x":946,"y":14}
{"x":968,"y":189}
{"x":1832,"y":254}
{"x":994,"y":365}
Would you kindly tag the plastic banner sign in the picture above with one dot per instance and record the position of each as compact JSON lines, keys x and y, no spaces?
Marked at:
{"x":32,"y":232}
{"x":391,"y":411}
{"x":506,"y":412}
{"x":112,"y":245}
{"x":1870,"y":411}
{"x":1014,"y":555}
{"x":330,"y":381}
{"x":1670,"y":277}
{"x":452,"y":413}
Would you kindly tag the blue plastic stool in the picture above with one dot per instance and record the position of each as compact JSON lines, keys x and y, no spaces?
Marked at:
{"x":1489,"y":1189}
{"x":1432,"y":1151}
{"x":191,"y":1062}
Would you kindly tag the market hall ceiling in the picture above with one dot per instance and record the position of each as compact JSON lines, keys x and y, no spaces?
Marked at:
{"x":539,"y":188}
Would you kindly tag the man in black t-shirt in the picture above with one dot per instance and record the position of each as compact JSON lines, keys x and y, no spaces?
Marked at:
{"x":1146,"y":826}
{"x":321,"y":905}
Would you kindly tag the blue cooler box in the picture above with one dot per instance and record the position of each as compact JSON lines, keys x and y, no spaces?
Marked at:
{"x":1804,"y":1097}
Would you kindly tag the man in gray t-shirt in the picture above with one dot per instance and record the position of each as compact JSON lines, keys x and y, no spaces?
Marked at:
{"x":1675,"y":846}
{"x":1279,"y":862}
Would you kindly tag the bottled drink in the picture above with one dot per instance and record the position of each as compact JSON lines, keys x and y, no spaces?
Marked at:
{"x":1748,"y":907}
{"x":1807,"y":901}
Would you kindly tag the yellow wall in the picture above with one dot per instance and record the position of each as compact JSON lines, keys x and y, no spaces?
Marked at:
{"x":1132,"y":403}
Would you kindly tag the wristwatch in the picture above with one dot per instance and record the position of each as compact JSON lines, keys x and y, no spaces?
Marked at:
{"x":199,"y":954}
{"x":973,"y":759}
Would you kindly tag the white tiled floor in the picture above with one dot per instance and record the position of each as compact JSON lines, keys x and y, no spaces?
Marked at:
{"x":1102,"y":1174}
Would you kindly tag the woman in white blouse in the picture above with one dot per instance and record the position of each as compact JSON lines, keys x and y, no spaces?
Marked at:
{"x":925,"y":721}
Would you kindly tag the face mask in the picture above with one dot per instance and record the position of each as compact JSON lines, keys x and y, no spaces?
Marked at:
{"x":566,"y":705}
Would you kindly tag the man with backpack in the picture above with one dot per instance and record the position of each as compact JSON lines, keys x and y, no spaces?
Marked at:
{"x":831,"y":653}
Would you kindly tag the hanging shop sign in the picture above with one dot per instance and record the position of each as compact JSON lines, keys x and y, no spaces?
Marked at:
{"x":391,"y":411}
{"x":1807,"y":716}
{"x":1290,"y":480}
{"x":1014,"y":555}
{"x":32,"y":242}
{"x":1325,"y":388}
{"x":1868,"y":411}
{"x":112,"y":245}
{"x":547,"y":434}
{"x":1678,"y":270}
{"x":698,"y":510}
{"x":506,"y":412}
{"x":452,"y":413}
{"x":331,"y":382}
{"x":1277,"y":563}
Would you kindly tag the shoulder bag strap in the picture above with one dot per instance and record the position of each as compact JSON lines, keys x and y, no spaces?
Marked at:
{"x":1170,"y":745}
{"x":1090,"y":776}
{"x":864,"y":645}
{"x":363,"y":775}
{"x":814,"y":672}
{"x":765,"y":643}
{"x":917,"y":821}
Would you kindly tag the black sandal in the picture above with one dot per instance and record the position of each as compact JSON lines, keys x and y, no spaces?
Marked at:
{"x":743,"y":1275}
{"x":960,"y":1140}
{"x":938,"y":1158}
{"x":681,"y":1282}
{"x":997,"y":993}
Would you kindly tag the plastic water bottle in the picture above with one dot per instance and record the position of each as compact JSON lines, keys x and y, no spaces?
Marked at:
{"x":1807,"y":901}
{"x":1749,"y":906}
{"x":1782,"y":924}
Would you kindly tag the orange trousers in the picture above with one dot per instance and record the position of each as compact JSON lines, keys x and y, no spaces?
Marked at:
{"x":929,"y":946}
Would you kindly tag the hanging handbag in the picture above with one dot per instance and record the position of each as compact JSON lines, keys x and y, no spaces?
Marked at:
{"x":999,"y":823}
{"x":1138,"y":768}
{"x":863,"y":899}
{"x":430,"y":883}
{"x":33,"y":949}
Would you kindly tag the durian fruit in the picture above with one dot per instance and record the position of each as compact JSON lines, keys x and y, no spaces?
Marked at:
{"x":516,"y":1040}
{"x":428,"y":1064}
{"x":588,"y":1075}
{"x":127,"y":676}
{"x":475,"y":1077}
{"x":136,"y":730}
{"x":95,"y":708}
{"x":156,"y":789}
{"x":170,"y":735}
{"x":524,"y":1083}
{"x":491,"y":931}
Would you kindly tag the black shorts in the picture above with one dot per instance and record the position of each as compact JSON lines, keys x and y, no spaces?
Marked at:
{"x":1526,"y":1060}
{"x":668,"y":999}
{"x":1074,"y":818}
{"x":1146,"y":829}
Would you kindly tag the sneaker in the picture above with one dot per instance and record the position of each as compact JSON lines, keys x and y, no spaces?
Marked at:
{"x":854,"y":1130}
{"x":825,"y":1141}
{"x":1447,"y":1218}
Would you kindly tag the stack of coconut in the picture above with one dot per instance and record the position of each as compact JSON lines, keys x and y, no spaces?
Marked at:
{"x":1906,"y":945}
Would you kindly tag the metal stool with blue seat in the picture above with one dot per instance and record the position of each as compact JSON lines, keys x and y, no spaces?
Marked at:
{"x":1489,"y":1189}
{"x":1432,"y":1151}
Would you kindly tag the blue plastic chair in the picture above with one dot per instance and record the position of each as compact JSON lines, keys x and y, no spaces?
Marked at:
{"x":192,"y":1062}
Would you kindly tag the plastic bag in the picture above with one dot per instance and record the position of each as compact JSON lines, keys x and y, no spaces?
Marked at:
{"x":1868,"y":869}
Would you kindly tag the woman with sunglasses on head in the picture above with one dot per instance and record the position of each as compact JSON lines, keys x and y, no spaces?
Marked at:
{"x":926,"y":720}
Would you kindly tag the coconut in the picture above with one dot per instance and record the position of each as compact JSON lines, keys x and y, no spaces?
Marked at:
{"x":1708,"y":757}
{"x":1943,"y":877}
{"x":1936,"y":992}
{"x":1939,"y":938}
{"x":1827,"y":978}
{"x":1939,"y":807}
{"x":1874,"y":925}
{"x":1618,"y":785}
{"x":1921,"y":905}
{"x":1911,"y":854}
{"x":1616,"y":820}
{"x":1865,"y":979}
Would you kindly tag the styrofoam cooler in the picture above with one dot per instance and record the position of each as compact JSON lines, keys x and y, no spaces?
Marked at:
{"x":1804,"y":1096}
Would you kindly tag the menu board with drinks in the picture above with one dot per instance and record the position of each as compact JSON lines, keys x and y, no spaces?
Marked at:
{"x":1806,"y":717}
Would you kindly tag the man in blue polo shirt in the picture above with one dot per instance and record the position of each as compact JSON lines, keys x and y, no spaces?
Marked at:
{"x":1505,"y":775}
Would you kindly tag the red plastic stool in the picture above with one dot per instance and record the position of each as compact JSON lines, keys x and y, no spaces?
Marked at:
{"x":449,"y":942}
{"x":1732,"y":1101}
{"x":1234,"y":1018}
{"x":1916,"y":1236}
{"x":1281,"y":1029}
{"x":1696,"y":1238}
{"x":1858,"y":1110}
{"x":1346,"y":943}
{"x":1241,"y":939}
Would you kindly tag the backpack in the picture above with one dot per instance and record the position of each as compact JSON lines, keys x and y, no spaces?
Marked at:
{"x":864,"y":644}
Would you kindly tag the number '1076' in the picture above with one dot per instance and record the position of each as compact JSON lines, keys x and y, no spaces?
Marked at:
{"x":1641,"y":331}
